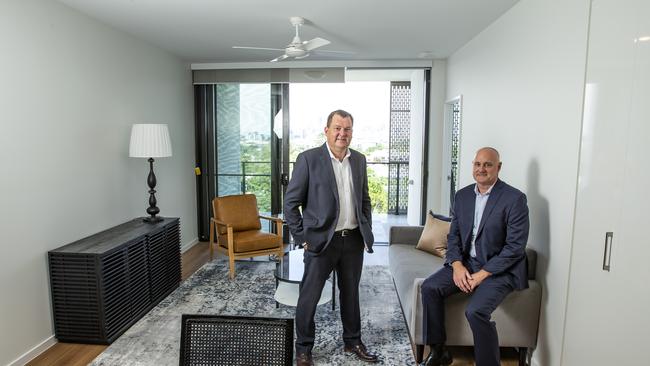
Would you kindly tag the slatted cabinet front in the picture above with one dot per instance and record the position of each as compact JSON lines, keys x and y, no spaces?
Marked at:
{"x":104,"y":283}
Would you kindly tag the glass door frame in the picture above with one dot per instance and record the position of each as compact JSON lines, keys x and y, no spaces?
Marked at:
{"x":205,"y":105}
{"x":205,"y":101}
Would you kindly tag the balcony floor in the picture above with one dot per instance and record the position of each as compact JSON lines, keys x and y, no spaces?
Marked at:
{"x":381,"y":224}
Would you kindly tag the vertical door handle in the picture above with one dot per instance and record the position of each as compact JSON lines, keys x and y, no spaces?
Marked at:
{"x":607,"y":256}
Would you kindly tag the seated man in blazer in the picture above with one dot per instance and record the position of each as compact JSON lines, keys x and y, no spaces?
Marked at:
{"x":330,"y":185}
{"x":486,"y":257}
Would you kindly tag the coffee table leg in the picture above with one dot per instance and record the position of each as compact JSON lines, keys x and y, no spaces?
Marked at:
{"x":277,"y":304}
{"x":278,"y":265}
{"x":333,"y":289}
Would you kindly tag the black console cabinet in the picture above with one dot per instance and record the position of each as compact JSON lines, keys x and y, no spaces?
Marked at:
{"x":102,"y":284}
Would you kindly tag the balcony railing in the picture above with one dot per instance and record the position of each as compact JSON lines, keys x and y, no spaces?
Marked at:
{"x":394,"y":176}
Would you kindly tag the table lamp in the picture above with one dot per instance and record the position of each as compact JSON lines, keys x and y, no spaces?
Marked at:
{"x":150,"y":141}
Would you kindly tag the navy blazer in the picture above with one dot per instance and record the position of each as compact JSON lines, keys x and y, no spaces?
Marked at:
{"x":502,"y":233}
{"x":313,"y":188}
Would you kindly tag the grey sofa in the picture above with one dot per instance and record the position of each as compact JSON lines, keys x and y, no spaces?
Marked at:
{"x":517,"y":318}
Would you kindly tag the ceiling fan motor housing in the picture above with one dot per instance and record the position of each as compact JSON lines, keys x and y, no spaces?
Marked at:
{"x":294,"y":51}
{"x":297,"y":21}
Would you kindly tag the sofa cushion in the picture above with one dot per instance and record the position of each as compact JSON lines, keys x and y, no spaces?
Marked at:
{"x":434,"y":237}
{"x":440,"y":217}
{"x":517,"y":318}
{"x":407,"y":263}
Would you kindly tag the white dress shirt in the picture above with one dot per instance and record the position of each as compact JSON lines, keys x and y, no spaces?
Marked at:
{"x":479,"y":207}
{"x":343,"y":174}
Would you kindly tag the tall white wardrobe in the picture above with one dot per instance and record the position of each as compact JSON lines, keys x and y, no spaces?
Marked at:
{"x":608,"y":309}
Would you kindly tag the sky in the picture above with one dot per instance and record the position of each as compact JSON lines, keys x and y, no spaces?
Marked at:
{"x":310,"y":104}
{"x":367,"y":101}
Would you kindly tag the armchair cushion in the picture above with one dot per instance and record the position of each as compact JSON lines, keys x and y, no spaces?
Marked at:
{"x":239,"y":211}
{"x":251,"y":240}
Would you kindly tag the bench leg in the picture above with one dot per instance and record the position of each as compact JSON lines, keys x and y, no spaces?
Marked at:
{"x":523,"y":356}
{"x":419,"y":353}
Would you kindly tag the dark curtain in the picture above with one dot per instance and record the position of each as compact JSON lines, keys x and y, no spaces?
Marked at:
{"x":205,"y":101}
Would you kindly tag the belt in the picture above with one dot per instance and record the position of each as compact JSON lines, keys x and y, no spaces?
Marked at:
{"x":346,"y":232}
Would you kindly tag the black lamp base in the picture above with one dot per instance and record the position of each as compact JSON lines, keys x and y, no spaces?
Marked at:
{"x":152,"y":210}
{"x":152,"y":219}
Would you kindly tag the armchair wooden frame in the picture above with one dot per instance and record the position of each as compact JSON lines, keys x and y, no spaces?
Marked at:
{"x":230,"y":251}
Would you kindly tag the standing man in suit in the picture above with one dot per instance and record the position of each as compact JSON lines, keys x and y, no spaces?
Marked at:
{"x":330,"y":184}
{"x":486,"y":258}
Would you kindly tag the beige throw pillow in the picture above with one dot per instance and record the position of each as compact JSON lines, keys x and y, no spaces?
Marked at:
{"x":434,"y":237}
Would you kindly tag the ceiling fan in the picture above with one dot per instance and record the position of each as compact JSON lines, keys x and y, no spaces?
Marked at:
{"x":297,"y":49}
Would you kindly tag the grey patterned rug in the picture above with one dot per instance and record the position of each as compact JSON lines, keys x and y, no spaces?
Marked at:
{"x":155,"y":339}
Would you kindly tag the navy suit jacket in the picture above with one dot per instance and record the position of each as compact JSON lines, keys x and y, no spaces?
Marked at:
{"x":313,"y":187}
{"x":502,"y":233}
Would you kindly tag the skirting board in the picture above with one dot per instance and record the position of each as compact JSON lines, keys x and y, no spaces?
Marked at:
{"x":34,"y":352}
{"x":51,"y":340}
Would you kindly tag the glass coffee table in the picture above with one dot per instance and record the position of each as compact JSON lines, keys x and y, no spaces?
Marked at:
{"x":288,"y":275}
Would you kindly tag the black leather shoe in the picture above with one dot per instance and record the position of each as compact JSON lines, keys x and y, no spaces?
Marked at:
{"x":439,"y":356}
{"x":362,"y":352}
{"x":304,"y":359}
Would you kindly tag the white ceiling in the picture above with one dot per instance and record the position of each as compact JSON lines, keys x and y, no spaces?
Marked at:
{"x":205,"y":30}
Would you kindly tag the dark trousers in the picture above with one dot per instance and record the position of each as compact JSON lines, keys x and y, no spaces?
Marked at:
{"x":485,"y":298}
{"x":345,"y":255}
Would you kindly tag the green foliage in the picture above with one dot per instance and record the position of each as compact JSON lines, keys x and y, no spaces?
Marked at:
{"x":255,"y":152}
{"x":261,"y":187}
{"x":256,"y":160}
{"x":377,"y":192}
{"x":372,"y":149}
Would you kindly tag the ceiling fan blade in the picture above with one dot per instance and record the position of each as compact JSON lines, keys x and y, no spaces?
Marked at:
{"x":301,"y":57}
{"x":315,"y":43}
{"x":279,"y":58}
{"x":339,"y":52}
{"x":258,"y":48}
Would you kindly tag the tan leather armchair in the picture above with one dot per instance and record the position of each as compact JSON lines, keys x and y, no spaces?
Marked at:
{"x":236,"y":223}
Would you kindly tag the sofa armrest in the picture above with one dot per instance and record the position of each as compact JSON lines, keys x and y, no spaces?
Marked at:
{"x":417,"y":312}
{"x":405,"y":234}
{"x":531,"y":256}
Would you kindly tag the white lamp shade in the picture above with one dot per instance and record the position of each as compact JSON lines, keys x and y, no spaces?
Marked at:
{"x":150,"y":141}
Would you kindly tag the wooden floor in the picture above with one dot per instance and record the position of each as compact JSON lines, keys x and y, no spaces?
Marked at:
{"x":73,"y":354}
{"x":464,"y":356}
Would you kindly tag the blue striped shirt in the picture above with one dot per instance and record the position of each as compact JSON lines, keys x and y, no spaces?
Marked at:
{"x":479,"y":207}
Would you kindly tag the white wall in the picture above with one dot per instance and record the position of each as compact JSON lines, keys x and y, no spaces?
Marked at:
{"x":70,"y":88}
{"x":415,"y":148}
{"x":437,"y":98}
{"x":522,"y":85}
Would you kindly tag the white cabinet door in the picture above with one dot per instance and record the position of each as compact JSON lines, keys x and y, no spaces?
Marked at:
{"x":608,"y":312}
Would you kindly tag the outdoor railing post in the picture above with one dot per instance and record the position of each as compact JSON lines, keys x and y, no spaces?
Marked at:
{"x":397,"y":191}
{"x":243,"y":177}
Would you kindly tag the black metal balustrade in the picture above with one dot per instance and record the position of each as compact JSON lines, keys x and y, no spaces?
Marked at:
{"x":396,"y":176}
{"x":397,"y":188}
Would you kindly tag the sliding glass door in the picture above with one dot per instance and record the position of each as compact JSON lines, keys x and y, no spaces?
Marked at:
{"x":389,"y":127}
{"x":238,"y":145}
{"x":243,"y":141}
{"x":249,"y":135}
